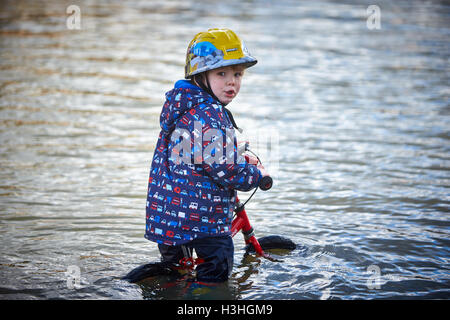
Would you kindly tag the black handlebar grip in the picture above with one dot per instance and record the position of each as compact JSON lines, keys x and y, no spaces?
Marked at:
{"x":265,"y":183}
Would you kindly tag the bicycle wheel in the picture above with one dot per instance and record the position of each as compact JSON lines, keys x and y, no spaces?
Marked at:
{"x":272,"y":242}
{"x":152,"y":269}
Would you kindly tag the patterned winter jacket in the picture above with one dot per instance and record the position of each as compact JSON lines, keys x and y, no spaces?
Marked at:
{"x":195,"y":171}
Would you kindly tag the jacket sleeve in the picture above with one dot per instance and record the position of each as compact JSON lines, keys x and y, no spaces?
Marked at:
{"x":214,"y":148}
{"x":224,"y":165}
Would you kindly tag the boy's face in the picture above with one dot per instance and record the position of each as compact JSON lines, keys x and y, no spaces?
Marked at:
{"x":225,"y":82}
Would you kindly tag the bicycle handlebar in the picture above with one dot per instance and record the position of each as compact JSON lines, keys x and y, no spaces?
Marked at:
{"x":266,"y":181}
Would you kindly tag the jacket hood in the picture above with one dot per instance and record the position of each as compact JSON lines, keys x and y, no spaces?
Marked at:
{"x":183,"y":97}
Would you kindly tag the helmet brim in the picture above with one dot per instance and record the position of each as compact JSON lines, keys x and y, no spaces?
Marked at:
{"x":247,"y":62}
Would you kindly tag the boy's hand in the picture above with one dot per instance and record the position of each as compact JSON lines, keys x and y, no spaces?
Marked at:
{"x":251,"y":159}
{"x":242,"y":147}
{"x":266,"y":181}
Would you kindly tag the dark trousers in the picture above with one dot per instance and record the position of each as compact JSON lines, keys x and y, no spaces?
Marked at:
{"x":217,"y":252}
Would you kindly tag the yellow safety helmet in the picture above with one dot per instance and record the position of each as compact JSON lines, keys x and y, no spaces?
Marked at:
{"x":214,"y":49}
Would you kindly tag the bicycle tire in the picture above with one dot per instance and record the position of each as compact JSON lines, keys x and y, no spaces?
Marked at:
{"x":152,"y":269}
{"x":272,"y":242}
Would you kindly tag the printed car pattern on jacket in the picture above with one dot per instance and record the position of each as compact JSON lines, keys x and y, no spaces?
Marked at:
{"x":194,"y":199}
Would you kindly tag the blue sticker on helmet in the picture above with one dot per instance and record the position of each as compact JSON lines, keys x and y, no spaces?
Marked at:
{"x":203,"y":49}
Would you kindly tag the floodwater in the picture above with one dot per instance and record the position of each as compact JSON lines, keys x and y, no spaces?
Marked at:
{"x":358,"y":121}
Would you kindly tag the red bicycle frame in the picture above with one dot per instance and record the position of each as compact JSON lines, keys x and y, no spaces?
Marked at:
{"x":241,"y":223}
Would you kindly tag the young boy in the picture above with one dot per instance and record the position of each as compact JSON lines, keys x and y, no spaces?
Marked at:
{"x":196,"y":168}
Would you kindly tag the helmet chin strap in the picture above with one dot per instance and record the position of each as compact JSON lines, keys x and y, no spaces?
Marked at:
{"x":198,"y":80}
{"x":230,"y":115}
